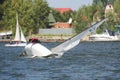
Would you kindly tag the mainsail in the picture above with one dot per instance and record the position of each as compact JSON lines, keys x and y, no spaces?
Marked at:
{"x":19,"y":36}
{"x":67,"y":45}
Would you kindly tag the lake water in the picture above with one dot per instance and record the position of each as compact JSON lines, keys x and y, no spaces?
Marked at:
{"x":87,"y":61}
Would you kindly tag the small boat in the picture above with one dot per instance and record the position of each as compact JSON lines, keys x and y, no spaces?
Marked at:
{"x":35,"y":49}
{"x":106,"y":36}
{"x":19,"y":39}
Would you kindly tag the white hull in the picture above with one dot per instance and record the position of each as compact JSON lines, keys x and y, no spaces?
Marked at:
{"x":15,"y":44}
{"x":36,"y":49}
{"x":103,"y":37}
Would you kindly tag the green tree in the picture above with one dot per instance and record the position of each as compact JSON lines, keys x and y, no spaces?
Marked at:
{"x":41,"y":13}
{"x":1,"y":8}
{"x":111,"y":22}
{"x":58,"y":16}
{"x":31,"y":13}
{"x":1,"y":14}
{"x":68,"y":15}
{"x":83,"y":18}
{"x":20,"y":7}
{"x":102,"y":2}
{"x":117,"y":9}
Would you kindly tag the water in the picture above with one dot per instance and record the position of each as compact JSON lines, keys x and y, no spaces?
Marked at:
{"x":87,"y":61}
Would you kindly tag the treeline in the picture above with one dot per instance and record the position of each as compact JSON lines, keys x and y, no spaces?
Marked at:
{"x":33,"y":14}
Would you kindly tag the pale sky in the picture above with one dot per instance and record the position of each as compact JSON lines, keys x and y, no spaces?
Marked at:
{"x":74,"y":4}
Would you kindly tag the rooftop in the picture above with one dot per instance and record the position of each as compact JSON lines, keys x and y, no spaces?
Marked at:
{"x":62,"y":10}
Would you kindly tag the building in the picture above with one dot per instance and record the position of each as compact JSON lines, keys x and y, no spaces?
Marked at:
{"x":63,"y":10}
{"x":109,"y":9}
{"x":62,"y":25}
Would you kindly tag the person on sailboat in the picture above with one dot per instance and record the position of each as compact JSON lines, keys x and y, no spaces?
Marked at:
{"x":34,"y":40}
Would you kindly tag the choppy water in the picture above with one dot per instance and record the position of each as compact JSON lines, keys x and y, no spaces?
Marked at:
{"x":87,"y":61}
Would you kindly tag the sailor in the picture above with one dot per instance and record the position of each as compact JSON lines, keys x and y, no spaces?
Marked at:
{"x":34,"y":40}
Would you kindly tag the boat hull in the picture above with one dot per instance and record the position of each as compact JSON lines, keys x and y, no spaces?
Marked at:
{"x":103,"y":37}
{"x":37,"y":50}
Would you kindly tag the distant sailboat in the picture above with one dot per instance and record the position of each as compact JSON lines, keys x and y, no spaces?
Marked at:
{"x":19,"y":36}
{"x":36,"y":49}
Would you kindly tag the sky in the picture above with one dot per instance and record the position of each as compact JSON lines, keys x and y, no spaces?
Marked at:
{"x":73,"y":4}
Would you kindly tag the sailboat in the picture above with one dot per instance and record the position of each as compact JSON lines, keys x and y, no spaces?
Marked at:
{"x":19,"y":39}
{"x":38,"y":50}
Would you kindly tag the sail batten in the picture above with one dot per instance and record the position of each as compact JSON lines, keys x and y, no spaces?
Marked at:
{"x":67,"y":45}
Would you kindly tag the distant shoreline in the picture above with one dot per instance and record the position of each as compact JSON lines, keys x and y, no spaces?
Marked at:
{"x":61,"y":40}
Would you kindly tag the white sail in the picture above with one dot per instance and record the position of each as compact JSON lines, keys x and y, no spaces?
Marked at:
{"x":67,"y":45}
{"x":22,"y":37}
{"x":17,"y":34}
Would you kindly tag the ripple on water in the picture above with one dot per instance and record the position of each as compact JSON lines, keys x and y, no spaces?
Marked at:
{"x":87,"y":61}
